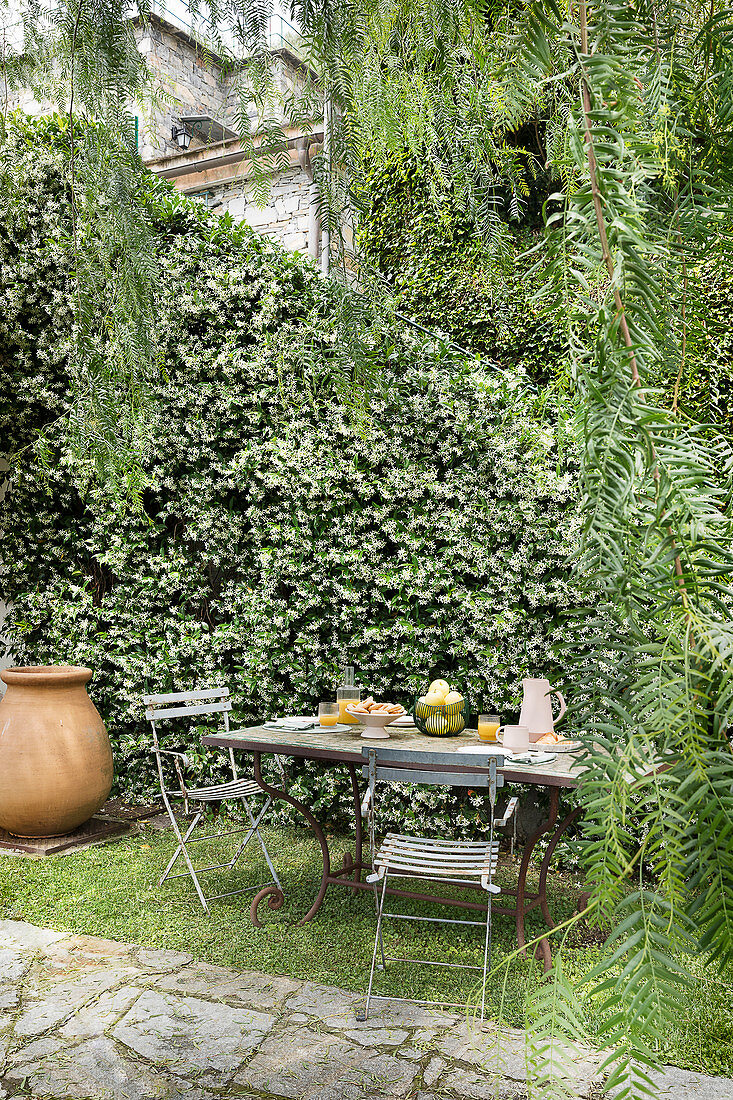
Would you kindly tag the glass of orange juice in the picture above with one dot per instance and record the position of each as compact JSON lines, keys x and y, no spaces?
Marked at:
{"x":488,"y":725}
{"x":328,"y":714}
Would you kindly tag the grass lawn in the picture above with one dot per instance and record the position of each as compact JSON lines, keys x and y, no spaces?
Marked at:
{"x":111,"y":891}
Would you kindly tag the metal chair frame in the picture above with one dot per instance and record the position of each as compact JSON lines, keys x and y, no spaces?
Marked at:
{"x":190,"y":704}
{"x":452,"y":862}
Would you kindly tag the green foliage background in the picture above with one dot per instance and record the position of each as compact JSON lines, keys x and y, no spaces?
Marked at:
{"x":280,"y":535}
{"x":448,"y":279}
{"x":638,"y":140}
{"x":484,"y":298}
{"x":706,"y":383}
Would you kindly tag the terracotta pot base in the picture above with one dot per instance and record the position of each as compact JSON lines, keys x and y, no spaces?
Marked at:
{"x":37,"y":836}
{"x":55,"y":756}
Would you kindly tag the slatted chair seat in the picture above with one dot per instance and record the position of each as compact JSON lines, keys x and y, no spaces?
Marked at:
{"x":444,"y":859}
{"x":235,"y":788}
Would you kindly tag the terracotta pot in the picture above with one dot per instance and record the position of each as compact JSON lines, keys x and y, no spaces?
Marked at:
{"x":55,"y":756}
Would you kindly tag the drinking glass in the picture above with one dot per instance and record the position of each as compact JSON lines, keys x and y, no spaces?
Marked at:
{"x":488,"y":724}
{"x":328,"y":714}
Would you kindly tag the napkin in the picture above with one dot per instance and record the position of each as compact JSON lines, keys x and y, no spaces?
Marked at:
{"x":291,"y":724}
{"x":533,"y":757}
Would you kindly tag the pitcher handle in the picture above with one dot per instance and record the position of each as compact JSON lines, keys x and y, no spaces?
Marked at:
{"x":563,"y":706}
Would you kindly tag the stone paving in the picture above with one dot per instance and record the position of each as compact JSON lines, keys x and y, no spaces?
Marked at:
{"x":84,"y":1018}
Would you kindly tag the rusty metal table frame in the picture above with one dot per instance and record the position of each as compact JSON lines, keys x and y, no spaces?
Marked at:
{"x":344,"y":749}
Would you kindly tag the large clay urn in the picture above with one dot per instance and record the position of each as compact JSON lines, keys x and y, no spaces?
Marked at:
{"x":55,"y":756}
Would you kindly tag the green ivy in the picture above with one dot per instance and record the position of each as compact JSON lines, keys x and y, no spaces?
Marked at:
{"x":485,"y":298}
{"x":445,"y":278}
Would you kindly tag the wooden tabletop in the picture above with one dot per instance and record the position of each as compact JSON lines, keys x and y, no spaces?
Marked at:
{"x":345,"y":747}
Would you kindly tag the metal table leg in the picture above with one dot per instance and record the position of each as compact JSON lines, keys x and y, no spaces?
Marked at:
{"x":350,"y":874}
{"x":544,"y":866}
{"x":543,"y":946}
{"x":529,"y":848}
{"x":273,"y":892}
{"x":353,"y":863}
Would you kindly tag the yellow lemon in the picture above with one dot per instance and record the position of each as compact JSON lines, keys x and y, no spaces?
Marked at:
{"x":435,"y":699}
{"x":454,"y":697}
{"x":441,"y":686}
{"x":457,"y":722}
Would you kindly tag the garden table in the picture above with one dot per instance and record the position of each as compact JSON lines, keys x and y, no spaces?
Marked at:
{"x":343,"y":749}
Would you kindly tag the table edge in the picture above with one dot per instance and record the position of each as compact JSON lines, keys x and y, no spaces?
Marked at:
{"x":251,"y":744}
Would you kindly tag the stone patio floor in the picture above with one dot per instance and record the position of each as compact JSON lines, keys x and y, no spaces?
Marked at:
{"x":92,"y":1019}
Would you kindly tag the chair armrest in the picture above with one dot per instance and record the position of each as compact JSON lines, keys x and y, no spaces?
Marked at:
{"x":178,"y":759}
{"x":509,"y":811}
{"x":169,"y":752}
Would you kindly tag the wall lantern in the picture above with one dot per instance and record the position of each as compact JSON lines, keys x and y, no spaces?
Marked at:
{"x":181,"y":136}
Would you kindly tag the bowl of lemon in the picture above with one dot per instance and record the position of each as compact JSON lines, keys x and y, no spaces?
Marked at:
{"x":441,"y":712}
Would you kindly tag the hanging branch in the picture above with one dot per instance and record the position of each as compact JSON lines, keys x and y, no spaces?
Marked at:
{"x":5,"y":74}
{"x":72,"y":155}
{"x":608,"y":259}
{"x":597,"y":200}
{"x":683,"y":348}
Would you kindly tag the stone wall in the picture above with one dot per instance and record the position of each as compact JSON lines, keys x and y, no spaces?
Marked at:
{"x":286,"y":215}
{"x":198,"y":82}
{"x":289,"y":79}
{"x":189,"y":75}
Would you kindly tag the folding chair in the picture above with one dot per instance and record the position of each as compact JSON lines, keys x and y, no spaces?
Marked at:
{"x":191,"y":704}
{"x":452,"y":862}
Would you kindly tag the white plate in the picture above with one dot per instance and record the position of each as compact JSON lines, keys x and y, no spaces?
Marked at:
{"x":403,"y":720}
{"x":562,"y":746}
{"x":485,"y":747}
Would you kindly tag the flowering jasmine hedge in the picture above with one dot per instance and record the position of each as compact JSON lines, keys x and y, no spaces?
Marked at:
{"x":280,"y":536}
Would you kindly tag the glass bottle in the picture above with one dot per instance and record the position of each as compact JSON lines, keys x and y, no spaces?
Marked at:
{"x":347,"y":693}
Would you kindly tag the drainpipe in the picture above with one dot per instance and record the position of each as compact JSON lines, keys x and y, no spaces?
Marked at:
{"x":326,"y":250}
{"x":314,"y":218}
{"x":314,"y":222}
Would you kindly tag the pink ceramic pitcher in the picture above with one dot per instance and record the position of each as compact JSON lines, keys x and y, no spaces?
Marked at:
{"x":536,"y":713}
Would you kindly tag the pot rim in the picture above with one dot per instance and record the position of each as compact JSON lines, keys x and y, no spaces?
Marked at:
{"x":46,"y":675}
